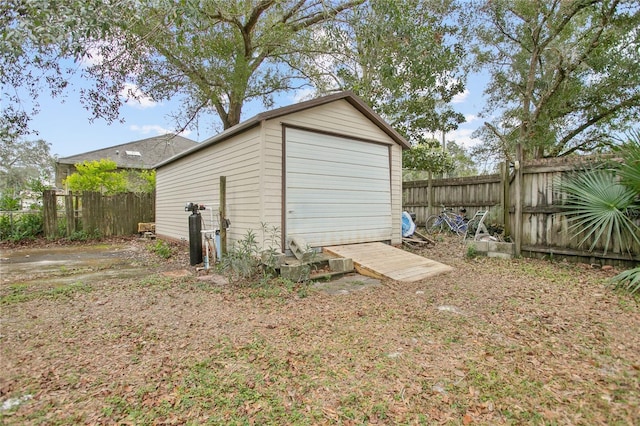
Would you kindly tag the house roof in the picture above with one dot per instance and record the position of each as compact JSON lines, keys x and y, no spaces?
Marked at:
{"x":140,"y":154}
{"x":348,"y":96}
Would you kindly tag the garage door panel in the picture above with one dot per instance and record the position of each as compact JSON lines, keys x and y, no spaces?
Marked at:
{"x":337,"y":189}
{"x":342,"y":197}
{"x":341,"y":224}
{"x":331,"y":168}
{"x":340,"y":182}
{"x":323,"y":239}
{"x":332,"y":209}
{"x":330,"y":156}
{"x":318,"y":142}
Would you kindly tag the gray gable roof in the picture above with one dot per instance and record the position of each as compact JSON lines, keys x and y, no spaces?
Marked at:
{"x":348,"y":96}
{"x":140,"y":154}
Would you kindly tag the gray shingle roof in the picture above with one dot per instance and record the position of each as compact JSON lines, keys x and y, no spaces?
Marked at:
{"x":140,"y":154}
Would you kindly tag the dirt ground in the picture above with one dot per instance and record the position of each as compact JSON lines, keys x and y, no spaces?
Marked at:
{"x":123,"y":336}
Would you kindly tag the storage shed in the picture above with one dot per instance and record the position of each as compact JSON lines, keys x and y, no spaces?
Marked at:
{"x":328,"y":170}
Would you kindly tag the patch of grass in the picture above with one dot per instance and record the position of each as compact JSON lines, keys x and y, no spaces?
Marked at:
{"x":156,"y":281}
{"x":24,"y":292}
{"x":68,"y":290}
{"x":17,"y":294}
{"x":39,"y":416}
{"x":277,"y":288}
{"x":559,"y":273}
{"x":244,"y":384}
{"x":521,"y":351}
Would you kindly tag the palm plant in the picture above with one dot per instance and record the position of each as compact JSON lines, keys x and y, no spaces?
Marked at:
{"x":602,"y":204}
{"x":598,"y":205}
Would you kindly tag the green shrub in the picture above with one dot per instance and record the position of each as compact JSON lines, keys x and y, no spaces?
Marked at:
{"x":162,"y":249}
{"x":79,"y":235}
{"x":472,"y":251}
{"x":9,"y":203}
{"x":241,"y":260}
{"x":21,"y":226}
{"x":6,"y":226}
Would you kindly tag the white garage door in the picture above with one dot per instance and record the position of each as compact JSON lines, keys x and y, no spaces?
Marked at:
{"x":337,"y":189}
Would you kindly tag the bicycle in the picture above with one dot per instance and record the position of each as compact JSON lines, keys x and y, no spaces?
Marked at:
{"x":447,"y":219}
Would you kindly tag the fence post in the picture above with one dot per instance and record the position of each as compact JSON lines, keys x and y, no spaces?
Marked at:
{"x":518,"y":201}
{"x":429,"y":195}
{"x":49,"y":213}
{"x":505,"y":198}
{"x":70,"y":214}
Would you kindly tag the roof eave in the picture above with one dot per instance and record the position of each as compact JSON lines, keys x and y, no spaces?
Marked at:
{"x":245,"y":125}
{"x":278,"y":112}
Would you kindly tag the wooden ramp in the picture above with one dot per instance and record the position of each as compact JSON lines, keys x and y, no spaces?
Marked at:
{"x":380,"y":260}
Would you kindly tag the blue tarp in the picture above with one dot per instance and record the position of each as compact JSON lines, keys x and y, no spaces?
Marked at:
{"x":408,"y":227}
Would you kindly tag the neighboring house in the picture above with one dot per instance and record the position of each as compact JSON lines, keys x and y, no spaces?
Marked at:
{"x":327,"y":170}
{"x":138,"y":155}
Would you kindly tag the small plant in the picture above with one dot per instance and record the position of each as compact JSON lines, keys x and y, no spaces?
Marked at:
{"x":162,"y":249}
{"x":245,"y":259}
{"x":241,"y":260}
{"x":472,"y":251}
{"x":79,"y":236}
{"x":270,"y":256}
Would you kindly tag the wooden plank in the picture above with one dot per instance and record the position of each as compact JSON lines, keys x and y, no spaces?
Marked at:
{"x":410,"y":241}
{"x":380,"y":260}
{"x":424,"y":237}
{"x":50,"y":213}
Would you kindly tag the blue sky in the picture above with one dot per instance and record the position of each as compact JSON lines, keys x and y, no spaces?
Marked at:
{"x":65,"y":124}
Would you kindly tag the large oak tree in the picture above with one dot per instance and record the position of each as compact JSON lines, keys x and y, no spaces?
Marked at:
{"x":565,"y":75}
{"x":216,"y":55}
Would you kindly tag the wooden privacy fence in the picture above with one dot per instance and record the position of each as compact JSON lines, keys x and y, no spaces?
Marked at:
{"x":472,"y":193}
{"x":94,"y":213}
{"x":544,"y":229}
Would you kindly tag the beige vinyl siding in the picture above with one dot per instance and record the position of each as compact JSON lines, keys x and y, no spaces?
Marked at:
{"x":337,"y":117}
{"x":196,"y":177}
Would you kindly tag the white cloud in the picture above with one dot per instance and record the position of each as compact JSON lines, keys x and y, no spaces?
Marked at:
{"x":470,"y":118}
{"x":155,"y":129}
{"x":462,"y":137}
{"x":460,"y":97}
{"x":136,"y":98}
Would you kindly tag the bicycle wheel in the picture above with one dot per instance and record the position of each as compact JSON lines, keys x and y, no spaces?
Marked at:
{"x":434,"y":225}
{"x":472,"y":227}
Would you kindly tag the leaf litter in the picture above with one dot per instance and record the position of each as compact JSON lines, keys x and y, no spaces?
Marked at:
{"x":494,"y":341}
